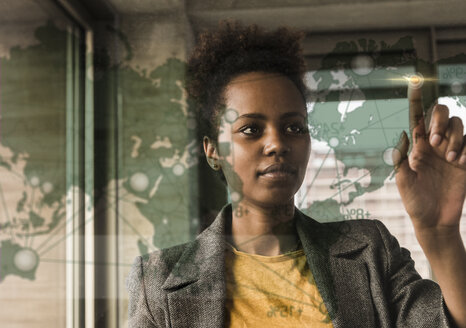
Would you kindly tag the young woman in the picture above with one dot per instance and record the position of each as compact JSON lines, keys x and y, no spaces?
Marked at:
{"x":263,"y":263}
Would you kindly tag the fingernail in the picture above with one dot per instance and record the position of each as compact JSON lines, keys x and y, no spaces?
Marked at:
{"x":435,"y":140}
{"x":451,"y":156}
{"x":463,"y":160}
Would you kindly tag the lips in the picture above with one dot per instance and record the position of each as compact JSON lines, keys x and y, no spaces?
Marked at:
{"x":278,"y":169}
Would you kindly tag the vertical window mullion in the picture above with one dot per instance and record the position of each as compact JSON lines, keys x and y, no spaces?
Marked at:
{"x":75,"y":169}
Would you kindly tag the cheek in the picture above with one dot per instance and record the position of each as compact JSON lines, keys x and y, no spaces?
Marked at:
{"x":239,"y":159}
{"x":225,"y":150}
{"x":307,"y":151}
{"x":225,"y":141}
{"x":303,"y":153}
{"x":239,"y":166}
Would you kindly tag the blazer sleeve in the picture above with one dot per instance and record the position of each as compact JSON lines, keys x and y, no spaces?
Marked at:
{"x":414,"y":302}
{"x":139,"y":315}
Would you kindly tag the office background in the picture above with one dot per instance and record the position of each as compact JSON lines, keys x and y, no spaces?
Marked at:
{"x":99,"y":153}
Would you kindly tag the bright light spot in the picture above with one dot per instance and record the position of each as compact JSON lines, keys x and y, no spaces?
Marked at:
{"x":47,"y":187}
{"x":25,"y":260}
{"x":139,"y":181}
{"x":235,"y":197}
{"x":35,"y":181}
{"x":231,"y":115}
{"x":456,"y":87}
{"x":362,"y":64}
{"x":333,"y":142}
{"x":391,"y":154}
{"x":178,"y":169}
{"x":415,"y":81}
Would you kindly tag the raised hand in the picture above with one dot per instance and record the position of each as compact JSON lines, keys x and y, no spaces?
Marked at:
{"x":432,"y":179}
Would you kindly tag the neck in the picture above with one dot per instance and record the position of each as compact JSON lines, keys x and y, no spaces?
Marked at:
{"x":261,"y":230}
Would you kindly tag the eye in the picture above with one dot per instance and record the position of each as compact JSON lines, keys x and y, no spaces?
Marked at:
{"x":250,"y":130}
{"x":296,"y":128}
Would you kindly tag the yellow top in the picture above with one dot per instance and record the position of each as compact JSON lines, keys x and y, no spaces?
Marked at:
{"x":272,"y":291}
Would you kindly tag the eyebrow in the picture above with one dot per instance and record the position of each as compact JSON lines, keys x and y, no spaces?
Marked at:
{"x":263,"y":117}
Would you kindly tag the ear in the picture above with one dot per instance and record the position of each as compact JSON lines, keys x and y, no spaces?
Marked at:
{"x":210,"y":149}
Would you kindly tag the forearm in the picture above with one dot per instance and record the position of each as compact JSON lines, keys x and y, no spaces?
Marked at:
{"x":447,"y":257}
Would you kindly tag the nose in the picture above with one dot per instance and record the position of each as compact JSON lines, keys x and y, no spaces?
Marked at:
{"x":275,"y":144}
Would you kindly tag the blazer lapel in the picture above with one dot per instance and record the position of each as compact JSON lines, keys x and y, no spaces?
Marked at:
{"x":339,"y":271}
{"x":196,"y":286}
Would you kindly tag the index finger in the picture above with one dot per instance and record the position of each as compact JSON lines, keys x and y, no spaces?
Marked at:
{"x":416,"y":112}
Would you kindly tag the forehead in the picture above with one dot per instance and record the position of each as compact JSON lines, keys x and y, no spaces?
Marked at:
{"x":266,"y":93}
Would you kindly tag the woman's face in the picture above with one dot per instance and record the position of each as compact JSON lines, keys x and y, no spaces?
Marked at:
{"x":263,"y":143}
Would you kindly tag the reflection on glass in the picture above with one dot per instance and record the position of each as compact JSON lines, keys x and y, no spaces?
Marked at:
{"x":37,"y":93}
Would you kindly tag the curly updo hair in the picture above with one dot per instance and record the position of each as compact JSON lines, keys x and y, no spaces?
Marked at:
{"x":231,"y":50}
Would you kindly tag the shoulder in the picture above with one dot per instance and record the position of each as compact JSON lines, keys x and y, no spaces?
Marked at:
{"x":383,"y":249}
{"x":369,"y":240}
{"x":367,"y":230}
{"x":371,"y":237}
{"x":154,"y":268}
{"x":375,"y":234}
{"x":144,"y":285}
{"x":362,"y":229}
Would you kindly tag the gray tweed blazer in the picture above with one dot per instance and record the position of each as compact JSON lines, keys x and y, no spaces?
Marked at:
{"x":364,"y":277}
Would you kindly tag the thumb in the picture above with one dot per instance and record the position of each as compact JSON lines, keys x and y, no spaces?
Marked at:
{"x":400,"y":157}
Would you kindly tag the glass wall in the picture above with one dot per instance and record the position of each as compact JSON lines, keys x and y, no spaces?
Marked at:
{"x":41,"y":165}
{"x":357,"y":111}
{"x":152,"y":187}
